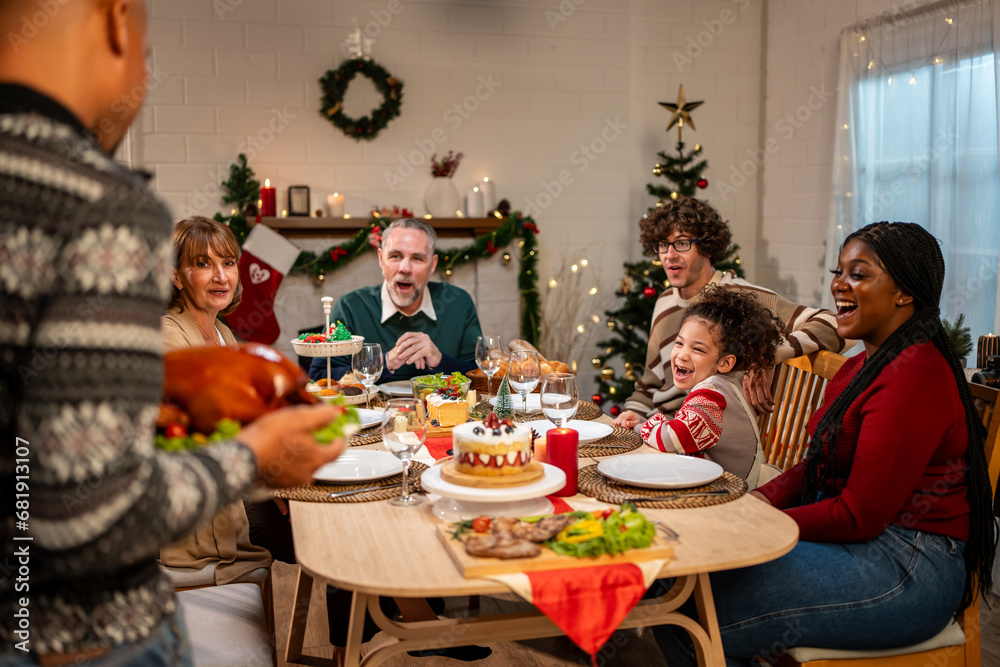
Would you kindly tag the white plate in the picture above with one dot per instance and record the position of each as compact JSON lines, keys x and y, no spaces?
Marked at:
{"x":335,"y":349}
{"x":589,"y":431}
{"x":369,"y":417}
{"x":660,"y":471}
{"x":534,"y":403}
{"x":553,"y":480}
{"x":397,"y":388}
{"x":361,"y":465}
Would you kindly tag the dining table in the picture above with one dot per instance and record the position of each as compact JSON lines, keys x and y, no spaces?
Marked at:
{"x":376,"y":549}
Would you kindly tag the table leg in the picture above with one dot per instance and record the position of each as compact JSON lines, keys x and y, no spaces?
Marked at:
{"x":356,"y":627}
{"x":710,"y":622}
{"x":300,"y":614}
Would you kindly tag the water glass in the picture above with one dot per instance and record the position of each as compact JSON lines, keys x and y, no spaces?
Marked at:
{"x":367,"y":366}
{"x":489,"y":357}
{"x":404,"y":428}
{"x":560,"y":398}
{"x":523,"y":372}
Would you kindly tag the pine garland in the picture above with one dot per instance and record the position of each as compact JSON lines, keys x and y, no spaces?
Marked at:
{"x":242,"y":190}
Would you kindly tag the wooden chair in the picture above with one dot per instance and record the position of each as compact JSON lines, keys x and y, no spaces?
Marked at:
{"x":797,"y":388}
{"x":958,"y":645}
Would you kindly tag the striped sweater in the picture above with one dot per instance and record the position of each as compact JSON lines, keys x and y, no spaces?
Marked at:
{"x":806,"y":330}
{"x":85,"y":264}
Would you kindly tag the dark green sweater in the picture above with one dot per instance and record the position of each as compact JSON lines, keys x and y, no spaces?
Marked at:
{"x":454,"y":332}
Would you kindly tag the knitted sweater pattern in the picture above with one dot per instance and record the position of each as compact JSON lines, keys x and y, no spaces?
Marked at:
{"x":85,"y":262}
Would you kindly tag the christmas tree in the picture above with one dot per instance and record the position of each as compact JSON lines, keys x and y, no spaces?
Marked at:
{"x":505,"y":406}
{"x":644,"y":281}
{"x":242,"y":190}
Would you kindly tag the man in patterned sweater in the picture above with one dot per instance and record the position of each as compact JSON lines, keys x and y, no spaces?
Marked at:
{"x":689,"y":236}
{"x":85,"y":263}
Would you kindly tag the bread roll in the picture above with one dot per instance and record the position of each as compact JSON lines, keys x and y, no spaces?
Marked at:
{"x":559,"y":367}
{"x":521,"y":344}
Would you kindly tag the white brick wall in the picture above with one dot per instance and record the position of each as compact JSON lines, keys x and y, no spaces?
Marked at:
{"x":802,"y":58}
{"x":564,"y":75}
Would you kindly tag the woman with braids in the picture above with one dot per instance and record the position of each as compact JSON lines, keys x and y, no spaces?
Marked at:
{"x":722,"y":336}
{"x":893,"y":499}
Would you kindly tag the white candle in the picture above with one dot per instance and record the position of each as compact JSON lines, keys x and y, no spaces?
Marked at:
{"x":335,"y":204}
{"x":474,"y":204}
{"x":488,"y":188}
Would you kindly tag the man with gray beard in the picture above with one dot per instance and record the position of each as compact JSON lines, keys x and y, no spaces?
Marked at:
{"x":423,"y":327}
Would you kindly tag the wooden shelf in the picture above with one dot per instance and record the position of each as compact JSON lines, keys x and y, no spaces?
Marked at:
{"x":301,"y":226}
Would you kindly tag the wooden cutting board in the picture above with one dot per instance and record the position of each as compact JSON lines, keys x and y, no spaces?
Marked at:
{"x":474,"y":566}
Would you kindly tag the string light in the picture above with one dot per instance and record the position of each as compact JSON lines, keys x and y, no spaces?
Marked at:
{"x":871,"y":64}
{"x":580,"y":328}
{"x":574,"y":268}
{"x":593,"y":291}
{"x":890,"y":80}
{"x":846,"y":126}
{"x":949,"y":21}
{"x":913,"y":80}
{"x":596,"y":319}
{"x":553,"y":283}
{"x":938,"y":61}
{"x":583,"y":262}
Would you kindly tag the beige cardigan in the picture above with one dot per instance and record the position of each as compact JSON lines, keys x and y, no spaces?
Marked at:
{"x":226,"y":540}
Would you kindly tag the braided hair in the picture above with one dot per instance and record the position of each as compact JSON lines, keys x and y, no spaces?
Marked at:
{"x":912,"y":258}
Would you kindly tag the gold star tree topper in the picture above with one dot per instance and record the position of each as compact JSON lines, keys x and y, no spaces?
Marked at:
{"x":682,"y":112}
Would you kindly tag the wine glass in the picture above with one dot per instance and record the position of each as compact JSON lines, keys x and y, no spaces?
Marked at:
{"x":367,"y":366}
{"x":559,"y":397}
{"x":523,"y":372}
{"x":404,"y":428}
{"x":489,"y":357}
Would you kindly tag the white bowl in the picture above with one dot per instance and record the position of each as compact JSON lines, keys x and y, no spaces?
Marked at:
{"x":336,"y":349}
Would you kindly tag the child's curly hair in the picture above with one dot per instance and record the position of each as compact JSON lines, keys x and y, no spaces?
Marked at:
{"x":740,"y":326}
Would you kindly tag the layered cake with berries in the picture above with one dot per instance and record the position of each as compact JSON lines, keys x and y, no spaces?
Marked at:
{"x":491,"y":448}
{"x":447,"y":408}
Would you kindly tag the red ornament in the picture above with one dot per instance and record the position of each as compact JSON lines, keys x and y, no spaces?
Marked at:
{"x":597,"y":398}
{"x":615,"y":411}
{"x":702,"y":183}
{"x":649,"y":291}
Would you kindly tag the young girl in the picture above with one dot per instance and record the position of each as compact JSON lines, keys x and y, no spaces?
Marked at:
{"x":725,"y":334}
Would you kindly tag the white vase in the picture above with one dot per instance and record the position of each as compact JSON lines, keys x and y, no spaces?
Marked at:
{"x":441,"y":198}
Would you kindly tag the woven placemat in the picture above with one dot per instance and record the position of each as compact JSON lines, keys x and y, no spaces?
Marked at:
{"x":587,"y":411}
{"x":319,"y":493}
{"x":592,"y":483}
{"x":366,"y":436}
{"x":620,"y":441}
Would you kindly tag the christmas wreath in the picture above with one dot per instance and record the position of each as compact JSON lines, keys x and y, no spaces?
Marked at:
{"x":334,"y":84}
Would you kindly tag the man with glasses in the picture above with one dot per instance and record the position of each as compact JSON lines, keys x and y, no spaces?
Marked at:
{"x":689,"y":237}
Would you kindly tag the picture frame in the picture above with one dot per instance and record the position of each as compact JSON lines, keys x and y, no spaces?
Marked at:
{"x":298,"y":200}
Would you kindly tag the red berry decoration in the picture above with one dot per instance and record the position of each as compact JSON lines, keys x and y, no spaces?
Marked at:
{"x":702,"y":183}
{"x":615,"y":411}
{"x":597,"y":398}
{"x":649,"y":291}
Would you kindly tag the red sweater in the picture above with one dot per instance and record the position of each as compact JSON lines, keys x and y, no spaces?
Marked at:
{"x":900,"y":456}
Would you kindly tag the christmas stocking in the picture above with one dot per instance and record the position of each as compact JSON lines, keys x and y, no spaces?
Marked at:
{"x":267,"y":257}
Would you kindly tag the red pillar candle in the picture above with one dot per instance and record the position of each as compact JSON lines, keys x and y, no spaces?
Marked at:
{"x":562,"y":445}
{"x":268,"y":205}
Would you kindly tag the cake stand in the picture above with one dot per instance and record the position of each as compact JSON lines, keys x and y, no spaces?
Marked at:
{"x":461,"y":503}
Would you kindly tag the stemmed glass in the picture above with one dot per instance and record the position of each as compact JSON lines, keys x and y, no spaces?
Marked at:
{"x":559,"y":397}
{"x":489,"y":357}
{"x":523,"y":372}
{"x":404,"y":428}
{"x":367,"y":366}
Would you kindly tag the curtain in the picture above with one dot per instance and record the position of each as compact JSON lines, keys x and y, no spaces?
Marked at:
{"x":917,"y":141}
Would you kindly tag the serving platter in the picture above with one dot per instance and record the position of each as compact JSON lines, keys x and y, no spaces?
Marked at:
{"x":588,"y":431}
{"x":459,"y":503}
{"x":397,"y":388}
{"x":477,"y":566}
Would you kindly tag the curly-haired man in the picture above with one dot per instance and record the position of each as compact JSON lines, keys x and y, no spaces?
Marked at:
{"x":689,"y":237}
